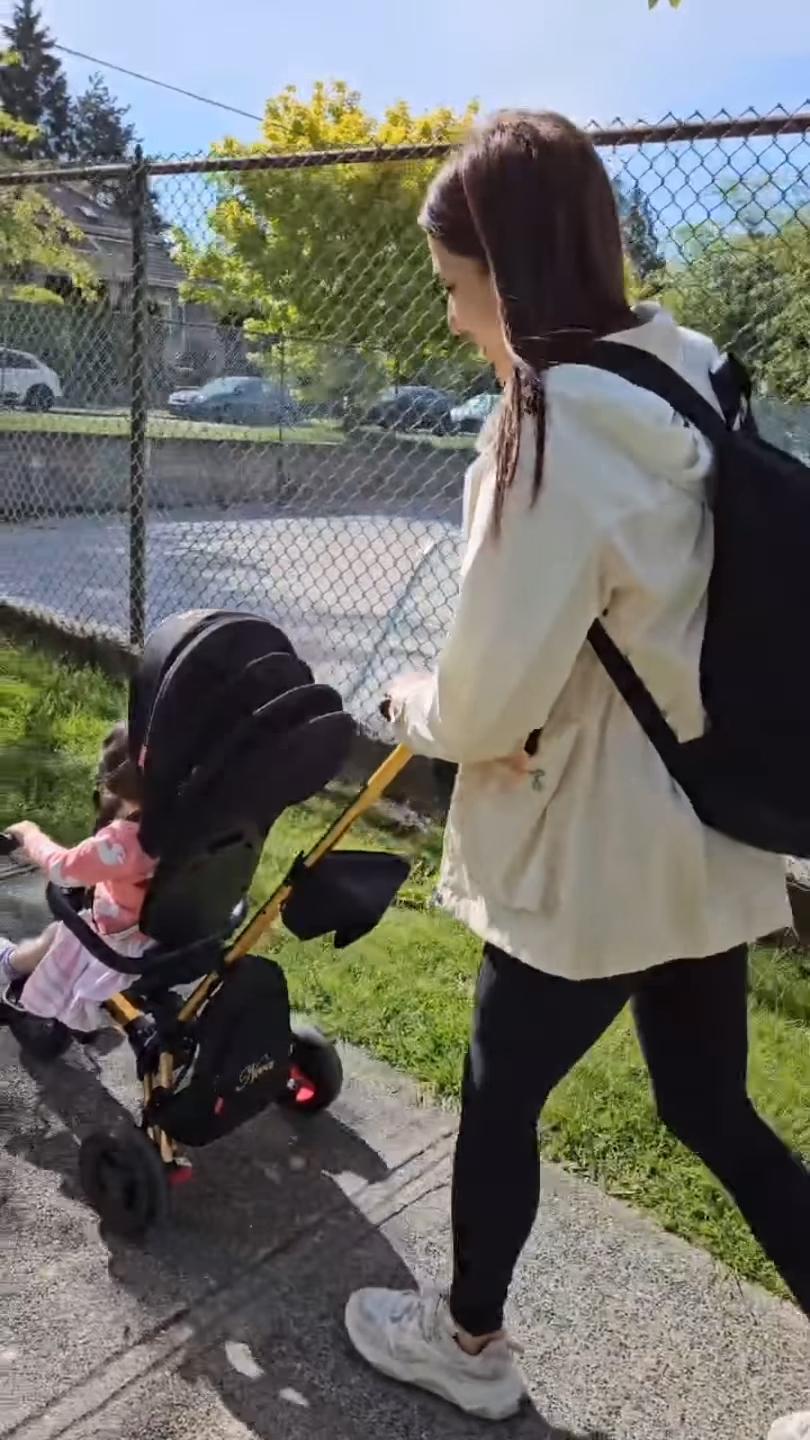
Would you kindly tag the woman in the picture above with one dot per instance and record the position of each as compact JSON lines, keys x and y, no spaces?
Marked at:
{"x":573,"y":855}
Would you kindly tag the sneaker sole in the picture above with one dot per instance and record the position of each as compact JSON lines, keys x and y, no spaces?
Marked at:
{"x":424,"y":1379}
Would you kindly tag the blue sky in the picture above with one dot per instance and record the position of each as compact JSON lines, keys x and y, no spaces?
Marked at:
{"x":594,"y":59}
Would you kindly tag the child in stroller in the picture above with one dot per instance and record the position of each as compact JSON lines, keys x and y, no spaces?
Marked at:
{"x":226,"y":729}
{"x":54,"y":976}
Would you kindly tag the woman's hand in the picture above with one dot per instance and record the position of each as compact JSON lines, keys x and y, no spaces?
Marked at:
{"x":523,"y":761}
{"x":520,"y":763}
{"x":21,"y":832}
{"x":397,"y":696}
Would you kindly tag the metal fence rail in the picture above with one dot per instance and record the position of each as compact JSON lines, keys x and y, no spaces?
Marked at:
{"x":317,"y":474}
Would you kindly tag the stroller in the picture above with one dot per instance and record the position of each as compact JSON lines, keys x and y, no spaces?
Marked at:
{"x":228,"y":728}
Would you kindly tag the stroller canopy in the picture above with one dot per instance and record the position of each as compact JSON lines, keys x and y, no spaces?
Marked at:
{"x":228,"y":728}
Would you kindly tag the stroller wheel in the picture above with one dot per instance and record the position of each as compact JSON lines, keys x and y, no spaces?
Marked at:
{"x":41,"y":1039}
{"x":316,"y":1074}
{"x":124,"y":1180}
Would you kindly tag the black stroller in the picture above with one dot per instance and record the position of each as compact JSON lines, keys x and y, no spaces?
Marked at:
{"x":229,"y":729}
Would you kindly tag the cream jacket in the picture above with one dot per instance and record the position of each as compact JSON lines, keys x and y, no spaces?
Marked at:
{"x":591,"y":862}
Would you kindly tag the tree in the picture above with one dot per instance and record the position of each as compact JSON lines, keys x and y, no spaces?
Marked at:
{"x":751,"y":292}
{"x":638,"y":225}
{"x":100,"y":133}
{"x":98,"y":126}
{"x":33,"y":89}
{"x":36,"y":240}
{"x":332,"y":253}
{"x":92,"y":128}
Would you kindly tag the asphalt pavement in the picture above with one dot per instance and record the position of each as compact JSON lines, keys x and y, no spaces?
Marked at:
{"x":362,"y":597}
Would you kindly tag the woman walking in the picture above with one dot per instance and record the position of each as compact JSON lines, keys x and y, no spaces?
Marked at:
{"x":569,"y":849}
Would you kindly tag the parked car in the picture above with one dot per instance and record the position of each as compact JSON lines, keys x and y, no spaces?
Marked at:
{"x":468,"y":418}
{"x":412,"y":407}
{"x":183,"y":395}
{"x":25,"y":380}
{"x":237,"y":399}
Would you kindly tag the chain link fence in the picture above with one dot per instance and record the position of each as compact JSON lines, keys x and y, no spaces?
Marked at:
{"x":233,"y":385}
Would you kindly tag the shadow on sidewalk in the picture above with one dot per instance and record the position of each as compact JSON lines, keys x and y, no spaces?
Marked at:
{"x":259,"y":1257}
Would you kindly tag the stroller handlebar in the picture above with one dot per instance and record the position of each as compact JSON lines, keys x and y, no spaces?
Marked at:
{"x":8,"y":844}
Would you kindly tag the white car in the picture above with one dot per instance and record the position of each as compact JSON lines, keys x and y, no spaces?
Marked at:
{"x":24,"y":380}
{"x":468,"y":418}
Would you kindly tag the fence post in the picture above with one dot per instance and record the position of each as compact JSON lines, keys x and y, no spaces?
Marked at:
{"x":282,"y":379}
{"x":5,"y":291}
{"x":138,"y":405}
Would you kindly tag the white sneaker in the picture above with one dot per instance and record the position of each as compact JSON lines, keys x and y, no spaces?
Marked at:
{"x":411,"y":1337}
{"x":791,"y":1427}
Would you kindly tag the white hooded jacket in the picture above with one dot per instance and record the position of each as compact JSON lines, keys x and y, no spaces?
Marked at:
{"x":591,"y":861}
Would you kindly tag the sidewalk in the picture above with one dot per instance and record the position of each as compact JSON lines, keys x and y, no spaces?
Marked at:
{"x":228,"y":1325}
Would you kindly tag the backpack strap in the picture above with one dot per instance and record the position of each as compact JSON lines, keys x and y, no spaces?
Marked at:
{"x":637,"y":697}
{"x":732,"y":385}
{"x":649,"y":373}
{"x":646,"y":371}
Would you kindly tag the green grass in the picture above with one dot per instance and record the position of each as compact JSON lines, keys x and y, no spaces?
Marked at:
{"x":52,"y":720}
{"x":405,"y":991}
{"x":165,"y":427}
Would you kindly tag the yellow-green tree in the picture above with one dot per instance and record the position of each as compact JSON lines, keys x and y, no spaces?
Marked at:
{"x":35,"y":238}
{"x":328,"y":254}
{"x":751,"y":293}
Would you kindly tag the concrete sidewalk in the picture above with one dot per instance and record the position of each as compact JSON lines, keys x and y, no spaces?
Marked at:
{"x":228,"y":1324}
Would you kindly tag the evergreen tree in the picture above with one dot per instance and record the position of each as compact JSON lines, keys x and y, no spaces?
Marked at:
{"x":638,"y":226}
{"x":100,"y":133}
{"x":33,"y":88}
{"x":99,"y":130}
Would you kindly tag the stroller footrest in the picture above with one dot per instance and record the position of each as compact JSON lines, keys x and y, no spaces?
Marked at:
{"x":346,"y":893}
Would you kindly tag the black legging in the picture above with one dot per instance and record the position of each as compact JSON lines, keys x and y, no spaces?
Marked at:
{"x":530,"y":1029}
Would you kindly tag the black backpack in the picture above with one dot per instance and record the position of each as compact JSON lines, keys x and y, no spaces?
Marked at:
{"x":749,"y":775}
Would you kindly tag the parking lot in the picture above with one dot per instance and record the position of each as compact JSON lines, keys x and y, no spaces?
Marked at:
{"x":361,"y":596}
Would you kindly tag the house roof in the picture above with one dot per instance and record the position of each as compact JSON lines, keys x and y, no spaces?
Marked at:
{"x":108,"y":236}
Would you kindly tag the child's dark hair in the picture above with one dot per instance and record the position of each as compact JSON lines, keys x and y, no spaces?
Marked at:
{"x":118,"y":777}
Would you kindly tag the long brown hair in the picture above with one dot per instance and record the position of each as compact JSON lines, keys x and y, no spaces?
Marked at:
{"x":528,"y":197}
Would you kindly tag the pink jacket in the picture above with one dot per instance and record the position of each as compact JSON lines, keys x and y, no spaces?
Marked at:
{"x":112,"y":862}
